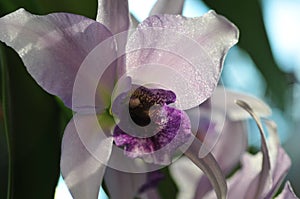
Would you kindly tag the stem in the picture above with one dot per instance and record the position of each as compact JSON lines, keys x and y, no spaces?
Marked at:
{"x":5,"y":118}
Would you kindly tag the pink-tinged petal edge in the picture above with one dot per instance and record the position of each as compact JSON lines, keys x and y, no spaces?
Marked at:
{"x":167,"y":7}
{"x":287,"y":192}
{"x":53,"y":47}
{"x":81,"y":171}
{"x":182,"y":54}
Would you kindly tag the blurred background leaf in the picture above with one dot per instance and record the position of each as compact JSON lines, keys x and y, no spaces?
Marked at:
{"x":86,"y":8}
{"x":167,"y":187}
{"x":34,"y":134}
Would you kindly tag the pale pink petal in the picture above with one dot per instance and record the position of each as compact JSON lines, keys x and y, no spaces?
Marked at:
{"x":231,"y":145}
{"x":182,"y":54}
{"x":167,"y":7}
{"x":279,"y":171}
{"x":287,"y":192}
{"x":262,"y":174}
{"x":123,"y":185}
{"x":53,"y":46}
{"x":226,"y":139}
{"x":222,"y":95}
{"x":186,"y":175}
{"x":280,"y":161}
{"x":254,"y":178}
{"x":239,"y":183}
{"x":207,"y":123}
{"x":227,"y":150}
{"x":82,"y":170}
{"x":210,"y":168}
{"x":262,"y":182}
{"x":114,"y":14}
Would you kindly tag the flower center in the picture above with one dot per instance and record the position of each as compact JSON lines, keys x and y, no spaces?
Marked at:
{"x":151,"y":130}
{"x":142,"y":99}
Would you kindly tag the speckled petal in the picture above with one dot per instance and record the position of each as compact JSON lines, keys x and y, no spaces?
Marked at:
{"x":167,"y":7}
{"x":53,"y":46}
{"x":182,"y":54}
{"x":160,"y":147}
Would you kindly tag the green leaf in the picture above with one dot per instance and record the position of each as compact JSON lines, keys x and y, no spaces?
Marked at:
{"x":34,"y":134}
{"x":5,"y":149}
{"x":86,"y":8}
{"x":167,"y":187}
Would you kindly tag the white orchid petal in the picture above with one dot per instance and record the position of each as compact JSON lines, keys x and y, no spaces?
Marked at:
{"x":114,"y":14}
{"x":234,"y":112}
{"x":81,"y":170}
{"x":53,"y":47}
{"x":167,"y":7}
{"x":182,"y":54}
{"x":123,"y":185}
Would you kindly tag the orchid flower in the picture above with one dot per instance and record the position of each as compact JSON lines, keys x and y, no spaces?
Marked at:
{"x":260,"y":175}
{"x":168,"y":64}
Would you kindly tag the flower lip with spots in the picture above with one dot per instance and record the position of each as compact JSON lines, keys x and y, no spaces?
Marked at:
{"x":159,"y":125}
